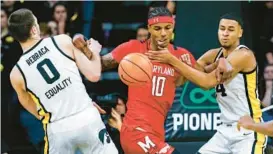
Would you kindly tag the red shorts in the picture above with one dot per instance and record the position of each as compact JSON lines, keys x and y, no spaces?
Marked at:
{"x":140,"y":141}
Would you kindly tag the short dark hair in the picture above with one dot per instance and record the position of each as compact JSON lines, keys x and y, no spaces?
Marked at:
{"x":20,"y":23}
{"x":159,"y":11}
{"x":233,"y":16}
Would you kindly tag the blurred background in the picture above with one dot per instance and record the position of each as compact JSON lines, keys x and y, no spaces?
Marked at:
{"x":194,"y":116}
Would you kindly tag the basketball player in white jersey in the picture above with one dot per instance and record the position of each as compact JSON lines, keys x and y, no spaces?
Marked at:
{"x":236,"y":97}
{"x":49,"y":70}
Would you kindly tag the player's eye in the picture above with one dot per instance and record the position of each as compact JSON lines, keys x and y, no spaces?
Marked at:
{"x":167,"y":28}
{"x":157,"y":28}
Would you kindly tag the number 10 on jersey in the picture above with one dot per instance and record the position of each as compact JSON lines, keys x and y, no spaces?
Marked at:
{"x":158,"y":85}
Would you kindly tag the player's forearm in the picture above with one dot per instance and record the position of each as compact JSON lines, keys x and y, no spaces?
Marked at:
{"x":207,"y":68}
{"x":202,"y":79}
{"x":91,"y":69}
{"x":31,"y":107}
{"x":108,"y":62}
{"x":95,"y":64}
{"x":263,"y":128}
{"x":267,"y":97}
{"x":210,"y":68}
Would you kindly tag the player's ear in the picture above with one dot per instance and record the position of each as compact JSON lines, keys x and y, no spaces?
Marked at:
{"x":33,"y":30}
{"x":241,"y":32}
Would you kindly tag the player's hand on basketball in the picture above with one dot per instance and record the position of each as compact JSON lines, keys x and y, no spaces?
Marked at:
{"x":245,"y":122}
{"x":163,"y":56}
{"x":223,"y":71}
{"x":115,"y":121}
{"x":101,"y":111}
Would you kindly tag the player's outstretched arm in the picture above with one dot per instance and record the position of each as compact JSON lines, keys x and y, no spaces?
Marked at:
{"x":111,"y":60}
{"x":108,"y":62}
{"x":237,"y":61}
{"x":203,"y":80}
{"x":248,"y":123}
{"x":90,"y":68}
{"x":24,"y":97}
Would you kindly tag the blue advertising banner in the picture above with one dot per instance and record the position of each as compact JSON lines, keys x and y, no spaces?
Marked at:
{"x":194,"y":116}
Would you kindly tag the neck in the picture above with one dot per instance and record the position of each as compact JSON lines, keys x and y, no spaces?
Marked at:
{"x":4,"y":32}
{"x":29,"y":43}
{"x":227,"y":51}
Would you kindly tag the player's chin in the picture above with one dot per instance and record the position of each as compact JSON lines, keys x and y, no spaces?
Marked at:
{"x":225,"y":45}
{"x":163,"y":46}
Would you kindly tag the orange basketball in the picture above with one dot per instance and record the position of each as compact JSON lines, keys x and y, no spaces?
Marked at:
{"x":135,"y":69}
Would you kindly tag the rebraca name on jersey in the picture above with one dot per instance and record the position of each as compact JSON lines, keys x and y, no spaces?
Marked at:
{"x":34,"y":57}
{"x":58,"y":88}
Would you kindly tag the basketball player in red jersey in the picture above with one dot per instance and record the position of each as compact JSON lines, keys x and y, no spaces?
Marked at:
{"x":142,"y":130}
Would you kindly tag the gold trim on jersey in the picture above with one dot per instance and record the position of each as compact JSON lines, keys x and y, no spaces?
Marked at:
{"x":259,"y":143}
{"x":254,"y":104}
{"x":45,"y":119}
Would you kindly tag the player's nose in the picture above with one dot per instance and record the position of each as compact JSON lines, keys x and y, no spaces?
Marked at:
{"x":226,"y":33}
{"x":163,"y":33}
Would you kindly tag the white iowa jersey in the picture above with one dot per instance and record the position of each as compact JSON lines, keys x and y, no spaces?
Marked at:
{"x":54,"y":79}
{"x":239,"y":96}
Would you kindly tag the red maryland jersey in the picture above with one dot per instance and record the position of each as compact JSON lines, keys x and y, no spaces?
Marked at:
{"x":148,"y":104}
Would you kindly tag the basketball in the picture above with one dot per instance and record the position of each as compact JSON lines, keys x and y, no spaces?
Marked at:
{"x":135,"y":69}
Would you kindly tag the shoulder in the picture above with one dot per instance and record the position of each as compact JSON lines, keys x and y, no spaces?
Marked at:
{"x":214,"y":51}
{"x":135,"y":42}
{"x":210,"y":55}
{"x":63,"y":39}
{"x":180,"y":50}
{"x":131,"y":44}
{"x":245,"y":52}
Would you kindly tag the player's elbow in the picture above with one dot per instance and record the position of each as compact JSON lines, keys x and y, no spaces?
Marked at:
{"x":271,"y":133}
{"x":95,"y":77}
{"x":270,"y":129}
{"x":207,"y":85}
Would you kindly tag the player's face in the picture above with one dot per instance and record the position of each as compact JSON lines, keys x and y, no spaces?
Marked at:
{"x":60,"y":13}
{"x":161,"y":34}
{"x":268,"y":73}
{"x":142,"y":34}
{"x":229,"y":32}
{"x":4,"y":19}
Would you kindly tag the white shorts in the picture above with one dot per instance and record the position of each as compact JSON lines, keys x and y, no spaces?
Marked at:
{"x":228,"y":140}
{"x":84,"y":131}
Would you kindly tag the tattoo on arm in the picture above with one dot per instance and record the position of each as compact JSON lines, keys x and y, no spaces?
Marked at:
{"x":108,"y":62}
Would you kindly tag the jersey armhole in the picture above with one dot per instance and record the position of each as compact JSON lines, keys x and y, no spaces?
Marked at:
{"x":25,"y":81}
{"x":55,"y":44}
{"x":218,"y":55}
